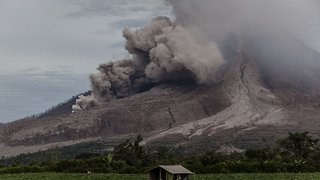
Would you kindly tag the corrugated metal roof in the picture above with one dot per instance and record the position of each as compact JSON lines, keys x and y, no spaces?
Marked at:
{"x":174,"y":169}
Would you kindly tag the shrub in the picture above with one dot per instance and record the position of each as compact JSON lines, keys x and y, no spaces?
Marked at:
{"x":128,"y":170}
{"x":117,"y":165}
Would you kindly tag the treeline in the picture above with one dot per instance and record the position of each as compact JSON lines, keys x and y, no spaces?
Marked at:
{"x":65,"y":106}
{"x":62,"y":107}
{"x":55,"y":154}
{"x":299,"y":152}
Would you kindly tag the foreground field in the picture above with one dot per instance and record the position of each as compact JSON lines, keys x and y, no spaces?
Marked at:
{"x":64,"y":176}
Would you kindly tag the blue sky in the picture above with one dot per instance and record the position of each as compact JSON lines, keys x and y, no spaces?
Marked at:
{"x":49,"y":47}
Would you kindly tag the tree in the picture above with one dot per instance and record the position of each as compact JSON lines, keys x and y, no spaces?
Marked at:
{"x":211,"y":158}
{"x":131,"y":152}
{"x":109,"y":158}
{"x":263,"y":155}
{"x":140,"y":153}
{"x":300,"y":145}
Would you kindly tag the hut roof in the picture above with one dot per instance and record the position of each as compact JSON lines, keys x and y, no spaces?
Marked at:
{"x":173,"y":169}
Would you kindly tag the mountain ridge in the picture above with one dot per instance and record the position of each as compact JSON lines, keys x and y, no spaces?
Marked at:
{"x":240,"y":109}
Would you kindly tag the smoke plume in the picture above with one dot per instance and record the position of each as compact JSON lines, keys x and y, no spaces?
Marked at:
{"x":217,"y":18}
{"x":84,"y":102}
{"x":161,"y":51}
{"x":279,"y":34}
{"x":275,"y":32}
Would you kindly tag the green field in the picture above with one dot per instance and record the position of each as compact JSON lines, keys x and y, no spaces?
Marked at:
{"x":65,"y":176}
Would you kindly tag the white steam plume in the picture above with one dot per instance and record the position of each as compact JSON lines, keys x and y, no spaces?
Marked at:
{"x":84,"y":102}
{"x":161,"y":51}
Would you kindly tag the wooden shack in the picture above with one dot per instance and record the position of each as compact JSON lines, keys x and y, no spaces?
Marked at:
{"x":169,"y":172}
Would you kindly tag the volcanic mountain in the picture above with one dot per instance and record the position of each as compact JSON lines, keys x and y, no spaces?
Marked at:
{"x":251,"y":103}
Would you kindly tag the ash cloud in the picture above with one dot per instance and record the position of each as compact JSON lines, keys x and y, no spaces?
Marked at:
{"x":281,"y":35}
{"x":84,"y":102}
{"x":217,"y":18}
{"x":277,"y":33}
{"x":161,"y":51}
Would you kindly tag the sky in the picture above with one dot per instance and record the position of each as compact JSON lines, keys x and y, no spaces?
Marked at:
{"x":49,"y":47}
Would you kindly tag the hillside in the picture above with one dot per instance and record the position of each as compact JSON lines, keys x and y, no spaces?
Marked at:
{"x":249,"y":105}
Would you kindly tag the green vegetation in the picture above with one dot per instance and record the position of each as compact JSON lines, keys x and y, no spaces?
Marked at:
{"x":77,"y":151}
{"x":70,"y":176}
{"x":299,"y":152}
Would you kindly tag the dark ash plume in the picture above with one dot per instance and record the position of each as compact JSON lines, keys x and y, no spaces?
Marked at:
{"x":161,"y":51}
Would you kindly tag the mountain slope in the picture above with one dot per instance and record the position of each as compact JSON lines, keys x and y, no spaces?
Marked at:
{"x":248,"y":106}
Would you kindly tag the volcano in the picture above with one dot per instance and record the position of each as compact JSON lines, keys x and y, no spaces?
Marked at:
{"x":251,"y":103}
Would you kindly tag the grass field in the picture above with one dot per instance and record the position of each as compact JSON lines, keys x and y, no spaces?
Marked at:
{"x":64,"y":176}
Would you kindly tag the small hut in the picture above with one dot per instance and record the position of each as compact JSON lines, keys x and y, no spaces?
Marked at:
{"x":169,"y":172}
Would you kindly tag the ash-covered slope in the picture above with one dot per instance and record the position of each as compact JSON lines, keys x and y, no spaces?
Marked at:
{"x":267,"y":102}
{"x":159,"y":109}
{"x":239,"y":110}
